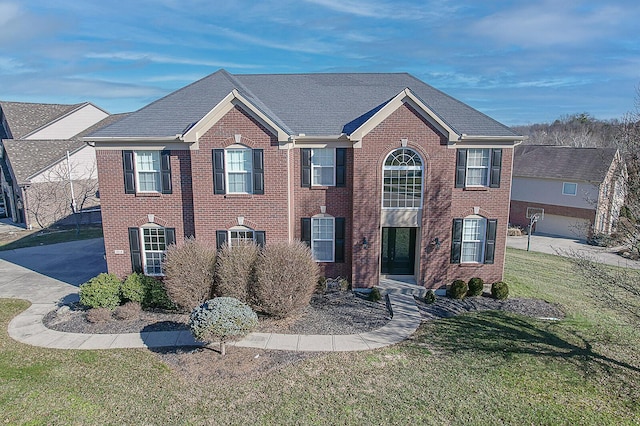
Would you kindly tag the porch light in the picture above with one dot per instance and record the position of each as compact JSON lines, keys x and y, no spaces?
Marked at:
{"x":365,"y":243}
{"x":436,"y":242}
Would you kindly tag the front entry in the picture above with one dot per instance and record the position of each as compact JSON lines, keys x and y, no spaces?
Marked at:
{"x":398,"y":251}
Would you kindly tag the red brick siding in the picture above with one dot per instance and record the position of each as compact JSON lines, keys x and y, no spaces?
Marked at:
{"x":518,"y":212}
{"x":121,"y":211}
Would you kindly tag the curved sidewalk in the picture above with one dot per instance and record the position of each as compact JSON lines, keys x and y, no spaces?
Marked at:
{"x":28,"y":328}
{"x":45,"y":292}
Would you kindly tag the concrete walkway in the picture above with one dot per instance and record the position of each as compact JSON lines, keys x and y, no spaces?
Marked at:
{"x":45,"y":293}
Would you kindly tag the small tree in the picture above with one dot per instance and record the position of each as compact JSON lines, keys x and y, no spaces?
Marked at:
{"x":286,"y":277}
{"x":188,"y":270}
{"x":223,"y":318}
{"x":235,"y":269}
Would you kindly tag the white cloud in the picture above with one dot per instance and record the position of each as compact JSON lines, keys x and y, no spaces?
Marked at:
{"x":386,"y":10}
{"x":8,"y":13}
{"x":160,"y":59}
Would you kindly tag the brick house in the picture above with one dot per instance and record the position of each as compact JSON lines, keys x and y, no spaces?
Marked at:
{"x":381,"y":174}
{"x":576,"y":192}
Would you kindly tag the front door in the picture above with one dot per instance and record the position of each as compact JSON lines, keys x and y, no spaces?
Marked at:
{"x":398,"y":251}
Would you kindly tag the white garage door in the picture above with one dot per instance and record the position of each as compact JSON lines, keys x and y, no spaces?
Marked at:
{"x":564,"y":226}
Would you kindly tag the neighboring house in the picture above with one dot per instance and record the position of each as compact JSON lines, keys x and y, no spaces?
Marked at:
{"x":576,"y":192}
{"x":43,"y":157}
{"x":380,"y":174}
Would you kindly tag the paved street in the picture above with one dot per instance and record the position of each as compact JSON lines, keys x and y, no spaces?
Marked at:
{"x":567,"y":246}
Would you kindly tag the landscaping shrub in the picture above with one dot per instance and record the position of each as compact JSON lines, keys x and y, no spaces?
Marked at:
{"x":155,"y":294}
{"x":458,"y":289}
{"x":430,"y":297}
{"x":132,"y":289}
{"x":223,"y":318}
{"x":188,"y":270}
{"x":286,"y":277}
{"x":95,"y":315}
{"x":374,"y":295}
{"x":476,"y":287}
{"x":500,"y":290}
{"x":235,"y":268}
{"x":128,"y":311}
{"x":102,"y":291}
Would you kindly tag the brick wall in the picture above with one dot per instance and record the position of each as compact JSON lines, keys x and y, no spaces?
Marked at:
{"x":121,"y":211}
{"x":518,"y":212}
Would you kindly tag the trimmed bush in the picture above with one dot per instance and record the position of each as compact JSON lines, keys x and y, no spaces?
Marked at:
{"x":128,"y":311}
{"x":430,"y":297}
{"x":458,"y":289}
{"x":222,"y":318}
{"x":188,"y":270}
{"x":235,"y":268}
{"x":155,"y":295}
{"x":476,"y":287}
{"x":374,"y":295}
{"x":286,"y":277}
{"x":500,"y":290}
{"x":96,"y":315}
{"x":102,"y":291}
{"x":132,"y":289}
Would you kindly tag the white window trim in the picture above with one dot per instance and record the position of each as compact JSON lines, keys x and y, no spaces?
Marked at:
{"x":421,"y":168}
{"x":568,"y":193}
{"x":240,"y":229}
{"x":333,"y":239}
{"x":333,"y":175}
{"x":487,"y":174}
{"x":144,"y":251}
{"x":482,"y":241}
{"x":246,"y":172}
{"x":137,"y":171}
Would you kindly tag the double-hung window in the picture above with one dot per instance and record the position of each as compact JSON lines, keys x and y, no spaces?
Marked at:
{"x":147,"y":172}
{"x":322,"y":238}
{"x":239,"y":167}
{"x":473,"y":240}
{"x":238,"y":170}
{"x":323,"y":167}
{"x":478,"y":167}
{"x":240,"y":236}
{"x":148,"y":245}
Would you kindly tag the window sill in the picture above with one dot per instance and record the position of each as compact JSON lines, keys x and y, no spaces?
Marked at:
{"x":321,"y":187}
{"x":470,"y":264}
{"x":238,"y":196}
{"x":148,"y":194}
{"x":475,"y":188}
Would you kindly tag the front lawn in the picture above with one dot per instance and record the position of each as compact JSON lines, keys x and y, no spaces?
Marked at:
{"x":482,"y":368}
{"x":31,"y":238}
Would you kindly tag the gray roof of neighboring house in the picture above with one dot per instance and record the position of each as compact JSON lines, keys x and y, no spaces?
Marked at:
{"x":28,"y":157}
{"x":24,"y":117}
{"x":312,"y":104}
{"x":562,"y":162}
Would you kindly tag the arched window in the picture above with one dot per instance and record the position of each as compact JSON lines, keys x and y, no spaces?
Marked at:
{"x":402,"y":180}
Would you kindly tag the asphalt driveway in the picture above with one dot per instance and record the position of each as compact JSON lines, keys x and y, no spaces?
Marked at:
{"x":567,"y":247}
{"x":72,"y":263}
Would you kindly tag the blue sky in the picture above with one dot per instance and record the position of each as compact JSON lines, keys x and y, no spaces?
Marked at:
{"x":520,"y":62}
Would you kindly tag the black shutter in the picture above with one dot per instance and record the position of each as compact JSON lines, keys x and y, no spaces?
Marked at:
{"x":305,"y":163}
{"x":461,"y":168}
{"x":261,"y":238}
{"x":490,"y":241}
{"x":305,"y":226}
{"x":218,"y":171}
{"x":169,"y":236}
{"x":456,"y":240}
{"x":341,"y":167}
{"x":134,"y":248}
{"x":258,"y":171}
{"x":221,"y":239}
{"x":339,"y":239}
{"x":496,"y":168}
{"x":165,"y":170}
{"x":129,"y":172}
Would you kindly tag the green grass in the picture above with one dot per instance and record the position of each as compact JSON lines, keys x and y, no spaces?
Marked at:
{"x":49,"y":236}
{"x":482,"y":368}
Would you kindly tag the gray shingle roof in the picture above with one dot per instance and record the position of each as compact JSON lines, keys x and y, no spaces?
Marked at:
{"x":24,"y":117}
{"x":562,"y":162}
{"x":313,"y":104}
{"x":28,"y":157}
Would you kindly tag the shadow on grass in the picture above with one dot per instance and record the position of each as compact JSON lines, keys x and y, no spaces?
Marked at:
{"x":509,"y":334}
